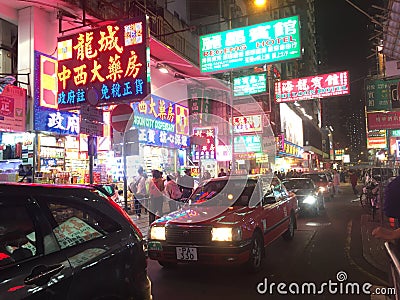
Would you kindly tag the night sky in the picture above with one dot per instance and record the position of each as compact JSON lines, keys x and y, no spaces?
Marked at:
{"x":343,"y":33}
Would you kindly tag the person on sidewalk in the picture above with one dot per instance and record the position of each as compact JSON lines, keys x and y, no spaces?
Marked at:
{"x":138,"y":188}
{"x":173,"y":192}
{"x":354,"y":180}
{"x":186,"y":184}
{"x":222,"y":173}
{"x":336,"y":181}
{"x":156,"y":188}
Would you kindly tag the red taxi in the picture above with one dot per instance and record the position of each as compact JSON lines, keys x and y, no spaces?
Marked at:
{"x":228,"y":220}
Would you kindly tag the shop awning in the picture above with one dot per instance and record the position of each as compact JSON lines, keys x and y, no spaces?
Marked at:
{"x":183,"y":67}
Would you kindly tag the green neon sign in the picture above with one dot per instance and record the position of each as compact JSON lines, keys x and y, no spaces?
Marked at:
{"x":262,"y":43}
{"x":249,"y":85}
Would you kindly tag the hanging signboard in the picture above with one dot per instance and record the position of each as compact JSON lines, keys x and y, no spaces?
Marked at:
{"x":12,"y":109}
{"x":376,"y":139}
{"x":103,"y":65}
{"x":312,"y":87}
{"x":247,"y":143}
{"x":262,"y":43}
{"x":383,"y":120}
{"x":377,"y":95}
{"x":161,"y":122}
{"x":207,"y":148}
{"x":249,"y":85}
{"x":247,"y":124}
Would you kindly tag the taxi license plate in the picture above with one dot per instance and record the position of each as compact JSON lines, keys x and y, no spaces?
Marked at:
{"x":186,"y":253}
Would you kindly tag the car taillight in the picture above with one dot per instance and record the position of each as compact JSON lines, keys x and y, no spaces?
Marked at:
{"x":127,"y":217}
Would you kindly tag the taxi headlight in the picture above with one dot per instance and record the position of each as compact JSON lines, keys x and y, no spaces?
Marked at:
{"x":310,"y":200}
{"x":157,"y":233}
{"x":226,"y":234}
{"x":322,"y":189}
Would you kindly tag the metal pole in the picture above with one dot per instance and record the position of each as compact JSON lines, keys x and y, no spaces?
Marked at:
{"x":90,"y":154}
{"x":124,"y":171}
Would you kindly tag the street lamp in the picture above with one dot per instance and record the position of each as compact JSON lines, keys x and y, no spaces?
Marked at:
{"x":259,"y":2}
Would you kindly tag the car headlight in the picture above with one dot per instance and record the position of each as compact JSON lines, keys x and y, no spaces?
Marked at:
{"x":310,"y":200}
{"x":322,"y":189}
{"x":157,"y":233}
{"x":226,"y":234}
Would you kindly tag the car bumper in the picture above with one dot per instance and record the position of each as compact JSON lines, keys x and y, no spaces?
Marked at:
{"x":210,"y":254}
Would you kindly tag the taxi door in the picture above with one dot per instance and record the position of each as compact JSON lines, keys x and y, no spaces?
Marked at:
{"x":271,"y":211}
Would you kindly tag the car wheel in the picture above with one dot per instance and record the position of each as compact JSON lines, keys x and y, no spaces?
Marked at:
{"x":289,"y":233}
{"x":256,"y":254}
{"x":167,"y":264}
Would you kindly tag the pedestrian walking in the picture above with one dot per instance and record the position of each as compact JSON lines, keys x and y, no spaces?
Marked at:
{"x":353,"y":181}
{"x":156,"y":188}
{"x":138,"y":189}
{"x":186,"y":184}
{"x":173,"y":193}
{"x":336,"y":181}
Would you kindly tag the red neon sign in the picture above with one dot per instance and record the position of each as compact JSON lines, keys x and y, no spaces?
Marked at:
{"x":105,"y":65}
{"x":312,"y":87}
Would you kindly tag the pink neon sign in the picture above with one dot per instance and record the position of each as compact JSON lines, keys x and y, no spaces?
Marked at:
{"x":312,"y":87}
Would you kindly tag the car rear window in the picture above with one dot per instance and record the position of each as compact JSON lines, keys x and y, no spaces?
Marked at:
{"x":316,"y":177}
{"x":298,"y":184}
{"x":74,"y":222}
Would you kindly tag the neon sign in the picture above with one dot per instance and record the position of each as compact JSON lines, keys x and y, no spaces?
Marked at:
{"x":249,"y":85}
{"x":312,"y":87}
{"x":277,"y":40}
{"x":161,"y":122}
{"x":105,"y":65}
{"x":247,"y":124}
{"x":206,"y":150}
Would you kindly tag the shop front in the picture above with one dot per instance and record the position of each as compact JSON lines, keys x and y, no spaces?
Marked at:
{"x":16,"y":147}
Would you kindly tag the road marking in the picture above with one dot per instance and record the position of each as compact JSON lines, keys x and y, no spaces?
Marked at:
{"x":352,"y":262}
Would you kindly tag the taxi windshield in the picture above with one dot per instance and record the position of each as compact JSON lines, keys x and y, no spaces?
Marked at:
{"x":223,"y":192}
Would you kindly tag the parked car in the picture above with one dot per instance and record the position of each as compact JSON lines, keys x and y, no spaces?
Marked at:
{"x":308,"y":194}
{"x":229,"y":220}
{"x":68,"y":242}
{"x":324,"y":181}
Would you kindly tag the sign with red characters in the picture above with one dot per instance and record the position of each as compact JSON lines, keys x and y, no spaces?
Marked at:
{"x":104,"y":65}
{"x":206,"y":149}
{"x":383,"y":120}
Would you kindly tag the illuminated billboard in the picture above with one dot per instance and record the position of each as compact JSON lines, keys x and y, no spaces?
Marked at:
{"x":161,"y":122}
{"x":249,"y":85}
{"x":247,"y":124}
{"x":291,"y":125}
{"x":262,"y":43}
{"x":376,"y":139}
{"x":312,"y":87}
{"x":103,"y":66}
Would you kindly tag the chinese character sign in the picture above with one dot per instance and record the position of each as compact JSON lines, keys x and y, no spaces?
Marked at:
{"x":247,"y":143}
{"x":380,"y":120}
{"x":312,"y":87}
{"x":249,"y":85}
{"x":247,"y":124}
{"x":377,"y":95}
{"x":207,"y":148}
{"x":262,"y":43}
{"x":109,"y":61}
{"x":161,"y":122}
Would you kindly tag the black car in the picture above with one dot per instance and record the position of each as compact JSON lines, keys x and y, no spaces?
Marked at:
{"x":308,"y":194}
{"x":68,"y":242}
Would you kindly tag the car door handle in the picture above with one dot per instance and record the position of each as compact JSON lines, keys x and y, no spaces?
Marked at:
{"x":42,"y":274}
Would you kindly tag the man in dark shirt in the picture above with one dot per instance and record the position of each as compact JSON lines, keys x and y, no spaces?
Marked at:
{"x":186,"y":184}
{"x":222,"y":173}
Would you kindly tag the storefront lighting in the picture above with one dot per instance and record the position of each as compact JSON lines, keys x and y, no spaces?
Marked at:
{"x":163,"y":69}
